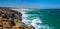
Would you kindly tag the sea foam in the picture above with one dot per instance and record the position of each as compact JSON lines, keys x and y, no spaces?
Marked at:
{"x":37,"y":22}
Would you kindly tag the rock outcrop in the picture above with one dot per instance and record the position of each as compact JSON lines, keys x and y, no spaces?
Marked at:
{"x":10,"y":19}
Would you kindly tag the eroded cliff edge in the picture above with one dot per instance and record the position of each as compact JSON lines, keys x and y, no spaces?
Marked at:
{"x":11,"y":19}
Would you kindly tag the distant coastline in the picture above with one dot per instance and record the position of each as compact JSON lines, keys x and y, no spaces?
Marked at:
{"x":15,"y":8}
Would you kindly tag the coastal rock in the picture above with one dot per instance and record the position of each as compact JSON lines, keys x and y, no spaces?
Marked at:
{"x":11,"y":19}
{"x":31,"y":27}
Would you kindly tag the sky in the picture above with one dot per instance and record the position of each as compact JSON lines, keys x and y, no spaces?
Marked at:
{"x":30,"y":3}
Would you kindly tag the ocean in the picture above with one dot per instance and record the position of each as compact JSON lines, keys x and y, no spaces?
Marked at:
{"x":42,"y":18}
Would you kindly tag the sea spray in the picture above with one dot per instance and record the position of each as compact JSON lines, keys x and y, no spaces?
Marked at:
{"x":35,"y":21}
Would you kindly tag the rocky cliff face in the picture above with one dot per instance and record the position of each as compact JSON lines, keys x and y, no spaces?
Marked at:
{"x":10,"y":19}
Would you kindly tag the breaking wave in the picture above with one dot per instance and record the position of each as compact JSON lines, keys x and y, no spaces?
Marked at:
{"x":29,"y":19}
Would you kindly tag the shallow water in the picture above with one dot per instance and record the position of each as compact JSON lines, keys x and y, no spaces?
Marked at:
{"x":42,"y":19}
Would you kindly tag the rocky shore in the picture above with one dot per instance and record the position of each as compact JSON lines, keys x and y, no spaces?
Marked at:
{"x":11,"y":19}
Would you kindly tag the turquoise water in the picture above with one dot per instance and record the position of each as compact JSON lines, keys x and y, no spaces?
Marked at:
{"x":42,"y":19}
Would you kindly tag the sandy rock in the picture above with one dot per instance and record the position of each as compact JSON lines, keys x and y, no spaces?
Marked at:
{"x":31,"y":27}
{"x":10,"y":19}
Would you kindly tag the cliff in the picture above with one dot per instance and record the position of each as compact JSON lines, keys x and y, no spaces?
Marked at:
{"x":11,"y":19}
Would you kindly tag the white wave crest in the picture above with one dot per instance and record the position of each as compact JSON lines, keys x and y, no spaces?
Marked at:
{"x":34,"y":21}
{"x":37,"y":22}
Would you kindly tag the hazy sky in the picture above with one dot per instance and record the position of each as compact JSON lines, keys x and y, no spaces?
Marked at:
{"x":30,"y":3}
